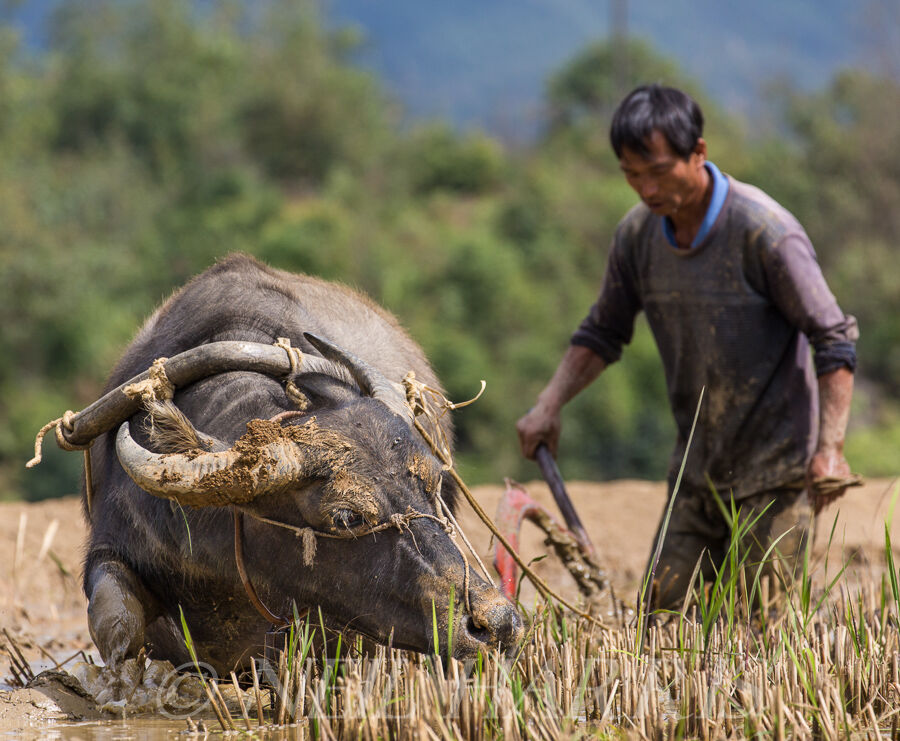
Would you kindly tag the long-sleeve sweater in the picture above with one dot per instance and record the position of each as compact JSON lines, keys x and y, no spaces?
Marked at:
{"x":735,"y":314}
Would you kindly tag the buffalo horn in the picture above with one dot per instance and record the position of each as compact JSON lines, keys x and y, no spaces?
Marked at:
{"x":371,"y":381}
{"x":209,"y":479}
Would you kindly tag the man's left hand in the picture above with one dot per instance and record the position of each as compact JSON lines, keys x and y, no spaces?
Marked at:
{"x":826,"y":463}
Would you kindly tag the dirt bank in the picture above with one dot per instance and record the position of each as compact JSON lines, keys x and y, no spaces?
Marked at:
{"x":621,"y":518}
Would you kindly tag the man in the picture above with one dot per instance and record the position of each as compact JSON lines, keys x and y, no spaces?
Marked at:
{"x":734,"y":297}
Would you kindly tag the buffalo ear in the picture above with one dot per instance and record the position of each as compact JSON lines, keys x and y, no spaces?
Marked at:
{"x":170,"y":431}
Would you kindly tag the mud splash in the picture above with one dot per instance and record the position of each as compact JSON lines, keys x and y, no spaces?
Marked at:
{"x":150,"y":700}
{"x":145,"y":699}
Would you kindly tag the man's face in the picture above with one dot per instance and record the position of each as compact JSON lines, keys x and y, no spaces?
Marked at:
{"x":664,"y":181}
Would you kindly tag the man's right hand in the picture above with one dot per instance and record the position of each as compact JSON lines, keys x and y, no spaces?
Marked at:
{"x":539,"y":425}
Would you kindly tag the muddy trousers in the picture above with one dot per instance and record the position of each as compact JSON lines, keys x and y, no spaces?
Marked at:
{"x":699,"y":532}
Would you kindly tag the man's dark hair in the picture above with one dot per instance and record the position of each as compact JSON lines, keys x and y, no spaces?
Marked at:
{"x":649,"y":107}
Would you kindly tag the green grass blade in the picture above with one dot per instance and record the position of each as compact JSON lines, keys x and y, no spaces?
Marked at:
{"x":189,"y":644}
{"x":646,"y":587}
{"x":187,"y":527}
{"x":434,"y":629}
{"x":892,"y":569}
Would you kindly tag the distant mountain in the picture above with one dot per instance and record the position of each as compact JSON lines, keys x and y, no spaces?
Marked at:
{"x":485,"y":62}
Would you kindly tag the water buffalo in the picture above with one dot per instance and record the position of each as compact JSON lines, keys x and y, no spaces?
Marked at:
{"x":329,"y":450}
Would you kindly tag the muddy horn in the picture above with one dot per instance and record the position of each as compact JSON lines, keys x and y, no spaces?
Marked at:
{"x":210,"y":479}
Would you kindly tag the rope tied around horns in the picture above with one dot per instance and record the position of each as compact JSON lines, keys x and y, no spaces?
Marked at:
{"x":156,"y":386}
{"x":66,"y":423}
{"x":295,"y":358}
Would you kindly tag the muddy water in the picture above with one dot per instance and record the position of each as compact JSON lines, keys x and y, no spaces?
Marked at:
{"x":158,"y":703}
{"x":142,"y":729}
{"x":144,"y":699}
{"x":44,"y":713}
{"x":145,"y":729}
{"x":29,"y":714}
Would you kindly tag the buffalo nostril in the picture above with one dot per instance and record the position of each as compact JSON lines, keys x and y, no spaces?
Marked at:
{"x":511,"y":629}
{"x":499,"y":624}
{"x":493,"y":624}
{"x":477,"y":631}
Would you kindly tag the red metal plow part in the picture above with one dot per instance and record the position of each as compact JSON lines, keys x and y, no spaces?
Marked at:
{"x":515,"y":506}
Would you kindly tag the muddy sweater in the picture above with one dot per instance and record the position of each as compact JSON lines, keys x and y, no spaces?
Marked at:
{"x":736,"y":314}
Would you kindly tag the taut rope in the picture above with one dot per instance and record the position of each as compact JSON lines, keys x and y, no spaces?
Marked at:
{"x":420,"y":398}
{"x":397,"y":521}
{"x":539,"y":583}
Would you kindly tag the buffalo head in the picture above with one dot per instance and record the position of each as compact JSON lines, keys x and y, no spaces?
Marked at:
{"x":343,"y":509}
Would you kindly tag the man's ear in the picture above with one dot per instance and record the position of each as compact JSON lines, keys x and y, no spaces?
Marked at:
{"x":700,"y":151}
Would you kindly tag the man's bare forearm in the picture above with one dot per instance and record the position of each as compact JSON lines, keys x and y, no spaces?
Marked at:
{"x":577,"y":369}
{"x":541,"y":425}
{"x":835,"y":394}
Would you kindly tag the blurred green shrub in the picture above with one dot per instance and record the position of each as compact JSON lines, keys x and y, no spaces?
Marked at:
{"x":437,"y":159}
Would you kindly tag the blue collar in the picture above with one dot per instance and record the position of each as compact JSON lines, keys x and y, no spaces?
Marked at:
{"x":720,"y":190}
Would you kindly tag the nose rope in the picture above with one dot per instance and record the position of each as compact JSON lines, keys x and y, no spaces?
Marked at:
{"x":434,"y":406}
{"x":444,"y":511}
{"x":451,"y":527}
{"x":448,"y":528}
{"x":397,"y":521}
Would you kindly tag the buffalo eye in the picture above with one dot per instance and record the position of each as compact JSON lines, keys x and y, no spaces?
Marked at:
{"x":347,"y":518}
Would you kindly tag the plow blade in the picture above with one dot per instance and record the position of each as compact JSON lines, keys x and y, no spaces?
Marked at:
{"x":515,"y":507}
